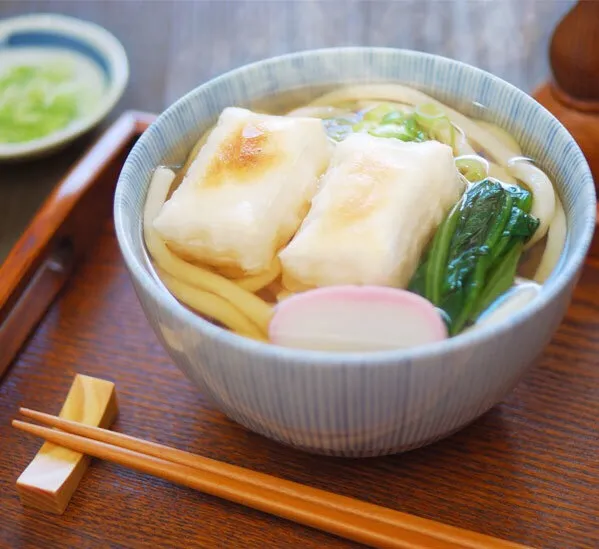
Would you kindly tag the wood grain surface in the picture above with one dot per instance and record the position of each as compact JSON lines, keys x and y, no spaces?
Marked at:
{"x":174,"y":45}
{"x":41,"y":261}
{"x":527,"y":471}
{"x":50,"y":480}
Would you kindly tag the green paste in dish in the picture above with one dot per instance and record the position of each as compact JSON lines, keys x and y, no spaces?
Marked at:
{"x":36,"y":101}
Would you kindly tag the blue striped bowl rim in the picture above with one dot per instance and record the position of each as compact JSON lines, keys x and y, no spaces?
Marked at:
{"x":583,"y":203}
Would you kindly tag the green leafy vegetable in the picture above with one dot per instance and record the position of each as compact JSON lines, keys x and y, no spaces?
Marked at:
{"x":435,"y":268}
{"x":501,"y":279}
{"x":383,"y":120}
{"x":474,"y":254}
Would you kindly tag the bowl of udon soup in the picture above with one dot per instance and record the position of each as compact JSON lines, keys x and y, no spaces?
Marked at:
{"x":355,"y":251}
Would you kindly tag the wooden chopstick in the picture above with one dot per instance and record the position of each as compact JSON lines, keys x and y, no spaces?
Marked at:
{"x":306,"y":493}
{"x":374,"y":533}
{"x":340,"y":515}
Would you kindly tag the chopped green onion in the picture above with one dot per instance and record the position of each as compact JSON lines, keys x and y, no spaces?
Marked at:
{"x":376,"y":114}
{"x":380,"y":121}
{"x":393,"y":131}
{"x":427,"y":113}
{"x":358,"y":127}
{"x":36,"y":101}
{"x":394,"y":117}
{"x":436,"y":123}
{"x":473,"y":168}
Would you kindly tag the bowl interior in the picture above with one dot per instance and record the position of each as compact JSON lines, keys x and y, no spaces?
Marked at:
{"x":279,"y":83}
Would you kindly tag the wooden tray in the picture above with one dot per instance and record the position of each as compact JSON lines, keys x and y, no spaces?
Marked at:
{"x":526,"y":471}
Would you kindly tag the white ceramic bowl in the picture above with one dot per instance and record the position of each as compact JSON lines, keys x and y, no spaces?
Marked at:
{"x":357,"y":404}
{"x":19,"y":35}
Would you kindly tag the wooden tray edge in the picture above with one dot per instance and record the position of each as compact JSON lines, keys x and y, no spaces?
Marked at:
{"x":40,"y":263}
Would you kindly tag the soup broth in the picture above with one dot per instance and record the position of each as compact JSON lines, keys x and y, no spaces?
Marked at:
{"x":373,"y":185}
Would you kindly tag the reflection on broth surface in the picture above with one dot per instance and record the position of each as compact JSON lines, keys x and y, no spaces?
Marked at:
{"x":425,"y":200}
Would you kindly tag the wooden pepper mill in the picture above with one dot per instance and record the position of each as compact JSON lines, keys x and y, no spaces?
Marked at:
{"x":573,"y":94}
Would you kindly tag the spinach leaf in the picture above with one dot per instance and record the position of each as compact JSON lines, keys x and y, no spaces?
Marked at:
{"x":475,"y":252}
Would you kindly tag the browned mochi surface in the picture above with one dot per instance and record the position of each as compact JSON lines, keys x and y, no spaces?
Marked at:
{"x":380,"y":202}
{"x":244,"y":154}
{"x":247,"y":191}
{"x":360,"y":201}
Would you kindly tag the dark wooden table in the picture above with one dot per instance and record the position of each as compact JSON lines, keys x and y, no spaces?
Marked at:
{"x":526,"y":471}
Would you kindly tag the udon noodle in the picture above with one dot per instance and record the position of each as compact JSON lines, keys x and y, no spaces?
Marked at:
{"x":242,"y":299}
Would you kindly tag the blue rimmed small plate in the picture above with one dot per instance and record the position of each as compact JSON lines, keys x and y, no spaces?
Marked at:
{"x":96,"y":58}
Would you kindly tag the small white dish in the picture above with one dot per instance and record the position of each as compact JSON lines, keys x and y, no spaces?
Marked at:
{"x":96,"y":51}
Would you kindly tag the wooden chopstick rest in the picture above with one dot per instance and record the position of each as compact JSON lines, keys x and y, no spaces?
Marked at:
{"x":50,"y":480}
